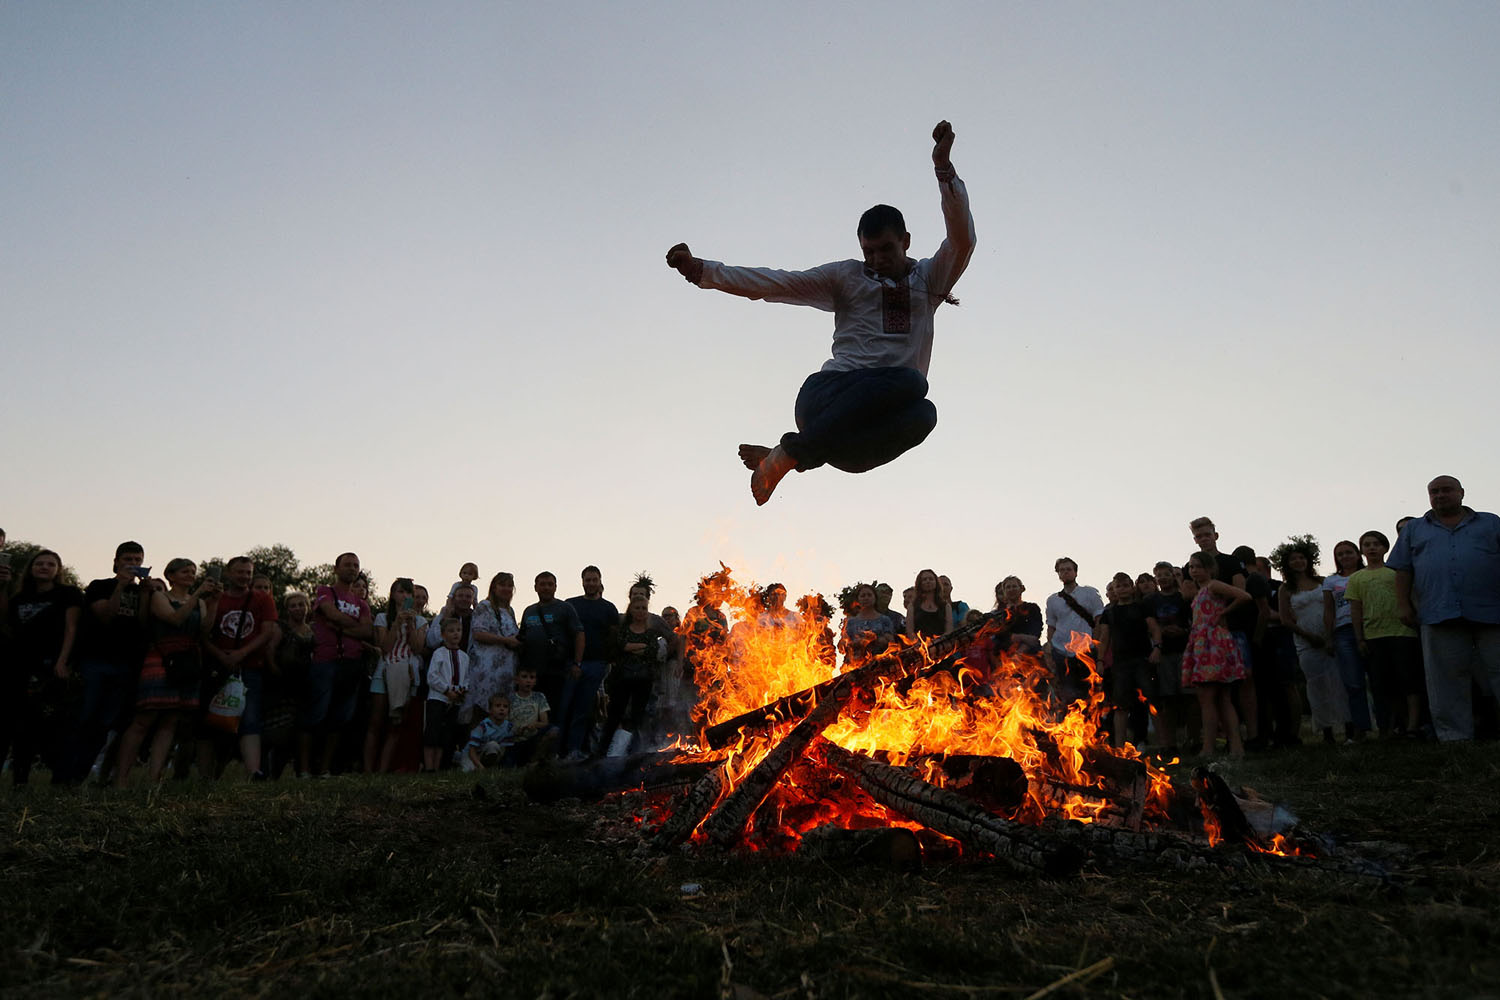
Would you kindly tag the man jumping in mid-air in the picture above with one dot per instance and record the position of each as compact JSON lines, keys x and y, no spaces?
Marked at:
{"x":869,"y":402}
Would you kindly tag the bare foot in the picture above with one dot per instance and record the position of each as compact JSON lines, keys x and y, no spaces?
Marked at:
{"x":753,"y":454}
{"x":772,"y":469}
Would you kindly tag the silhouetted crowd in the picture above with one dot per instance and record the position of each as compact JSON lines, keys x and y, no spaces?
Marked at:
{"x":188,"y":671}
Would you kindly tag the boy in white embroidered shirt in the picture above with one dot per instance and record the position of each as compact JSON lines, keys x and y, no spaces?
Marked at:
{"x":447,"y":684}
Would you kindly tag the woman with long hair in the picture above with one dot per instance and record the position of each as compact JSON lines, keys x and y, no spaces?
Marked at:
{"x":930,"y":615}
{"x":1337,"y":622}
{"x":399,"y":632}
{"x":42,"y":616}
{"x":1300,"y":602}
{"x":173,"y":672}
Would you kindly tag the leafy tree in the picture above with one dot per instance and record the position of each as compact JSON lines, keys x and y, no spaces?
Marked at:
{"x":280,"y":564}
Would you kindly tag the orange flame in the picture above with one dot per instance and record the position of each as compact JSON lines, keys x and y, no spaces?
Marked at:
{"x":749,"y":649}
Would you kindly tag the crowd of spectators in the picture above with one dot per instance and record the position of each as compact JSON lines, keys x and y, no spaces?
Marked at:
{"x":190,"y":670}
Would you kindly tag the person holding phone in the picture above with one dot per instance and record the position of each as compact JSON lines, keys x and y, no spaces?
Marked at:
{"x":111,"y":647}
{"x":401,"y":634}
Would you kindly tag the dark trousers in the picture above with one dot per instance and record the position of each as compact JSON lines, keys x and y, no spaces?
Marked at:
{"x":108,"y":690}
{"x":860,"y":419}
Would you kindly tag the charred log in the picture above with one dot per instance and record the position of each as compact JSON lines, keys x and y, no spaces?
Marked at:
{"x":690,"y":812}
{"x":593,"y":779}
{"x":728,"y":820}
{"x":908,"y":660}
{"x":1021,"y":847}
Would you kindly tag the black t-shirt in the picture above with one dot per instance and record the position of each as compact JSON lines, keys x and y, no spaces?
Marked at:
{"x":542,"y":626}
{"x":1026,"y":620}
{"x":1245,"y":617}
{"x":598,"y":618}
{"x":1129,"y":637}
{"x":36,"y":624}
{"x":121,"y":640}
{"x":1171,"y":609}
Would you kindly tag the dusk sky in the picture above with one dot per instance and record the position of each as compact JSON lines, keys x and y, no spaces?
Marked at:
{"x":389,"y":277}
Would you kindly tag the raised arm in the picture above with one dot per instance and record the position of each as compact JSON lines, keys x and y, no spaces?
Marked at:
{"x":953,"y":255}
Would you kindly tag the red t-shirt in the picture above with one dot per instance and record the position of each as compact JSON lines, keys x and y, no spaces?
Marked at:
{"x":242,"y":615}
{"x":329,"y":644}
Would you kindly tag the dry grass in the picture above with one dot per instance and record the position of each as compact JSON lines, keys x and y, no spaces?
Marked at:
{"x":413,"y":886}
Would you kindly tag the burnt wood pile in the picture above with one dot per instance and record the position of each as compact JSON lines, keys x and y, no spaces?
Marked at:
{"x":708,"y":796}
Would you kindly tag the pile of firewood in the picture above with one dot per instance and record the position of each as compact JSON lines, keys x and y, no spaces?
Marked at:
{"x":707,"y":800}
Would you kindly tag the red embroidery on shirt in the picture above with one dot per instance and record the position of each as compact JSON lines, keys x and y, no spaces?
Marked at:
{"x":896,"y":304}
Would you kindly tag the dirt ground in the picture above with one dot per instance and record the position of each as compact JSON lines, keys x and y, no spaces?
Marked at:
{"x":427,"y":887}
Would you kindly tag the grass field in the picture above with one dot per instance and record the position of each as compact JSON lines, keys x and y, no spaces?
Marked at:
{"x":410,"y":886}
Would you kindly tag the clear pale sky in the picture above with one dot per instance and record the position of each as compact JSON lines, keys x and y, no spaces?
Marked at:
{"x":389,"y":277}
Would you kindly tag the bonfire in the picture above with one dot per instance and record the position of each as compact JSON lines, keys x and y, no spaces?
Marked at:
{"x":956,"y":744}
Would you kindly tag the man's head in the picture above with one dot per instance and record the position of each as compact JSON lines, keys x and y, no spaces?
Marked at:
{"x":1246,"y":556}
{"x":1204,"y":534}
{"x":593,"y":582}
{"x":238,"y":572}
{"x":129,"y":555}
{"x":883,"y":594}
{"x":464,"y":597}
{"x":546,"y":586}
{"x":1446,"y":494}
{"x":883,"y":240}
{"x":1066,"y":570}
{"x":774,"y":596}
{"x":346,"y":568}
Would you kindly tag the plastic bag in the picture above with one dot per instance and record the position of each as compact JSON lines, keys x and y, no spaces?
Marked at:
{"x":228,"y":705}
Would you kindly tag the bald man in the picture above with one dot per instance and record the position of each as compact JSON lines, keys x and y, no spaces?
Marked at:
{"x":1447,"y":565}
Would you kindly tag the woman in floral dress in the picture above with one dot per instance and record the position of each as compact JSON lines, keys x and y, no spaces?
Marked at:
{"x":1212,"y":661}
{"x":492,"y":669}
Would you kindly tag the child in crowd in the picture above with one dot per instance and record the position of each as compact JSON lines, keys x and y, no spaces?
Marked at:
{"x":1212,"y":660}
{"x":489,"y":740}
{"x":1391,"y":649}
{"x":447,"y":684}
{"x":467,"y":574}
{"x":528,"y":716}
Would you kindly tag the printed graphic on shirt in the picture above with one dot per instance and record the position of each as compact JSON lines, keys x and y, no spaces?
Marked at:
{"x":237,"y":624}
{"x":896,"y":304}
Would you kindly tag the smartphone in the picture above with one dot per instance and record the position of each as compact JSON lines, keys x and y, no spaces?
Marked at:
{"x":4,"y":559}
{"x":142,"y":572}
{"x":408,"y":604}
{"x":215,"y":573}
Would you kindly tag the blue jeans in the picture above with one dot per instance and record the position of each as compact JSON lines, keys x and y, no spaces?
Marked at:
{"x":1352,"y":673}
{"x":107,"y":690}
{"x":860,"y":419}
{"x":575,"y":716}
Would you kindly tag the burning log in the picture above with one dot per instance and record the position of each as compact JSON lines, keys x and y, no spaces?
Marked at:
{"x":885,"y":846}
{"x":907,"y":661}
{"x":1025,"y":849}
{"x":694,"y":806}
{"x":593,"y":779}
{"x":728,"y":819}
{"x":998,"y":784}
